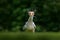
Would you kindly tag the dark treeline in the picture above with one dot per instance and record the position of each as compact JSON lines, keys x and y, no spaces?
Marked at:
{"x":13,"y":14}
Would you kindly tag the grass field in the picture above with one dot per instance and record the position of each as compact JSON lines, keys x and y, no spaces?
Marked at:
{"x":29,"y":36}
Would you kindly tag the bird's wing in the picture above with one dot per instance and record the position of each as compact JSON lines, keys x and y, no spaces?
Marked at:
{"x":25,"y":25}
{"x":34,"y":25}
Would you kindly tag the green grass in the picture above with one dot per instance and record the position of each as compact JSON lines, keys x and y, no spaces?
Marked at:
{"x":29,"y":36}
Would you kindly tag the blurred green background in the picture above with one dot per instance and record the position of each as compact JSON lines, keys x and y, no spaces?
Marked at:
{"x":13,"y":14}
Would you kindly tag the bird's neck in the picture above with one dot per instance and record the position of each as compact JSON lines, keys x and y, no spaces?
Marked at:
{"x":30,"y":19}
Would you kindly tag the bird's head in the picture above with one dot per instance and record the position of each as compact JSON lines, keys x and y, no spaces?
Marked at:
{"x":31,"y":13}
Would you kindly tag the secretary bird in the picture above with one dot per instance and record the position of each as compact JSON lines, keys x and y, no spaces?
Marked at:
{"x":29,"y":25}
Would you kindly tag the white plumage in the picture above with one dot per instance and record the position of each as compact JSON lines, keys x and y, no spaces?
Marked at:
{"x":29,"y":25}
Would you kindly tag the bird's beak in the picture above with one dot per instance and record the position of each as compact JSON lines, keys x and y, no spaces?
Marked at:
{"x":31,"y":14}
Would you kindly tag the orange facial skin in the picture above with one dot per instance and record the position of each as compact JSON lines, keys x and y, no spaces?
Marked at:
{"x":31,"y":13}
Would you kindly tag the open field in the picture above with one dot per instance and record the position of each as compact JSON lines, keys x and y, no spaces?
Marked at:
{"x":29,"y":36}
